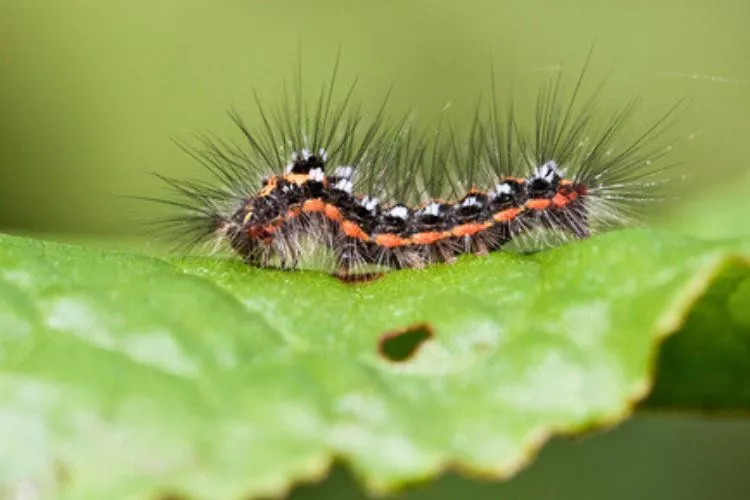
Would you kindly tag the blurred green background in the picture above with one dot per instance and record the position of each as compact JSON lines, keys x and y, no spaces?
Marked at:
{"x":91,"y":92}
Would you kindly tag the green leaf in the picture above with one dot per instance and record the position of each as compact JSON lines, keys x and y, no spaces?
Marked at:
{"x":124,"y":375}
{"x":707,"y":366}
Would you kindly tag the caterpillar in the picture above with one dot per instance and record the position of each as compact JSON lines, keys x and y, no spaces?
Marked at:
{"x":380,"y":194}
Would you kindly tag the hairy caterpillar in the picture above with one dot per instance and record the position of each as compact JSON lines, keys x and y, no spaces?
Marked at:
{"x":379,"y":194}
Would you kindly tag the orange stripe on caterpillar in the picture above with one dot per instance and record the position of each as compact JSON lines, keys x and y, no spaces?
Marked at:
{"x":333,"y":213}
{"x":353,"y":230}
{"x":258,"y":232}
{"x":560,"y":200}
{"x":270,"y":186}
{"x":507,"y":215}
{"x":297,"y":179}
{"x":293,"y":212}
{"x":538,"y":203}
{"x":390,"y":240}
{"x":470,"y":229}
{"x":313,"y":205}
{"x":428,"y":238}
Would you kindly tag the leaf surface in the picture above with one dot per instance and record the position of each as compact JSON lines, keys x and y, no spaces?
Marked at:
{"x":124,"y":375}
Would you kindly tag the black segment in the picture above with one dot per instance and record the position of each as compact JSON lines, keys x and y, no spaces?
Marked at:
{"x":502,"y":200}
{"x":471,"y":208}
{"x":302,"y":165}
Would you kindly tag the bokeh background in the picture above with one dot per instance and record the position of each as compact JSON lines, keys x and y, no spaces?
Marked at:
{"x":92,"y":92}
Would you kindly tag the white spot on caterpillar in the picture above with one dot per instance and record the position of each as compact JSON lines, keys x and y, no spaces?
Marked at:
{"x":345,"y":172}
{"x":399,"y":212}
{"x":548,"y":171}
{"x":432,"y":209}
{"x":501,"y":189}
{"x":323,"y":154}
{"x":316,"y":175}
{"x":370,"y":204}
{"x":344,"y":185}
{"x":471,"y":201}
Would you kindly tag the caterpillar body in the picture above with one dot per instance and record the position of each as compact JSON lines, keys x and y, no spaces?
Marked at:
{"x":378,"y":194}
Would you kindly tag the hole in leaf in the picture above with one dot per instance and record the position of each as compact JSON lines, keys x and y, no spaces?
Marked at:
{"x":401,"y":345}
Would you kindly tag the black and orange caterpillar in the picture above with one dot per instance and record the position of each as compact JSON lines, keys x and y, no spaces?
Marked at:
{"x":385,"y":196}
